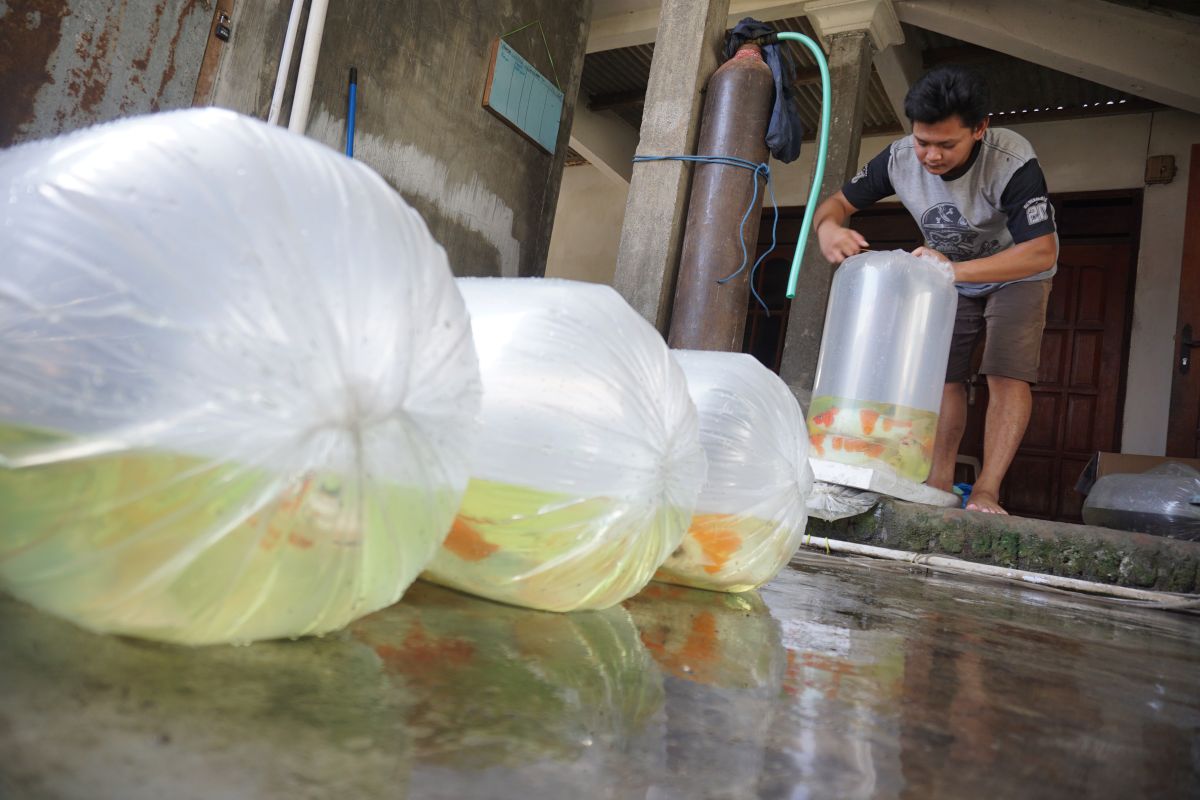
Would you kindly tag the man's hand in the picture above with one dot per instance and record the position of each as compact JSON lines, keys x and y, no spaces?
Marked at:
{"x":929,"y":251}
{"x":838,"y":243}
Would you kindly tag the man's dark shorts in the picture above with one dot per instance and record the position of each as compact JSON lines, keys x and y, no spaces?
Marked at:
{"x":1013,"y":317}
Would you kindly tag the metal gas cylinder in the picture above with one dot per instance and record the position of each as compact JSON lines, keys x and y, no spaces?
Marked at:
{"x":708,"y":315}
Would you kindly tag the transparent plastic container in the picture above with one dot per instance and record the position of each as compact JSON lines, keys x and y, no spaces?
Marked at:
{"x":752,"y":512}
{"x":237,"y":388}
{"x":1164,"y":501}
{"x":882,"y":366}
{"x":588,"y":463}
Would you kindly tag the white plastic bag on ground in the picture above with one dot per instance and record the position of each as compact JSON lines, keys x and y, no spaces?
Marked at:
{"x":751,"y":513}
{"x":589,"y":459}
{"x":237,"y":385}
{"x":831,"y":501}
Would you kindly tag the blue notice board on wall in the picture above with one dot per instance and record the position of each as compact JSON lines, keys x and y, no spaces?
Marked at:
{"x":523,"y":97}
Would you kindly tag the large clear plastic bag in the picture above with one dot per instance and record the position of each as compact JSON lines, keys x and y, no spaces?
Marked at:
{"x":237,"y":387}
{"x":751,"y":513}
{"x":588,"y":463}
{"x":1162,"y":501}
{"x":882,"y":367}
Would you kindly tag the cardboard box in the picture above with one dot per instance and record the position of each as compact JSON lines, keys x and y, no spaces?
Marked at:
{"x":1123,"y":463}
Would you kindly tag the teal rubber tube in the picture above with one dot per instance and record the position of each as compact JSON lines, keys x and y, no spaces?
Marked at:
{"x":822,"y":147}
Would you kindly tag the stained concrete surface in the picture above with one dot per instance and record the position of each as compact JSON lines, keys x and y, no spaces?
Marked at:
{"x":841,"y":678}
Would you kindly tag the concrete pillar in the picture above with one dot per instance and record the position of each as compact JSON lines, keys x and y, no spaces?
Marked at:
{"x":687,"y":51}
{"x":854,"y":30}
{"x":850,"y":75}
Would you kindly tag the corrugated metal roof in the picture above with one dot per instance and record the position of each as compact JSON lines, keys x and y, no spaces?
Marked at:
{"x":1021,"y":91}
{"x":616,"y":80}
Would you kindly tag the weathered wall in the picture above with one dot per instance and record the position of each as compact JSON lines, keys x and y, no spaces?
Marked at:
{"x":1077,"y":156}
{"x":68,"y":64}
{"x":488,"y":194}
{"x":583,"y":246}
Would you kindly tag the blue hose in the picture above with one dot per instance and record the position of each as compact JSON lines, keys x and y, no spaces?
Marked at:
{"x":822,"y":148}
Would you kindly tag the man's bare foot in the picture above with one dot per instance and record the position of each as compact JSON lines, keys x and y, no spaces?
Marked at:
{"x":985,"y":503}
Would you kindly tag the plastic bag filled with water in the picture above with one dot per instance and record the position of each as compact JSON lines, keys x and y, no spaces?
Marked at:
{"x":882,"y":367}
{"x":237,"y":385}
{"x":752,"y":511}
{"x":589,"y":462}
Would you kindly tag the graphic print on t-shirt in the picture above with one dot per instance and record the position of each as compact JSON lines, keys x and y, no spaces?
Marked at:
{"x":949,"y":233}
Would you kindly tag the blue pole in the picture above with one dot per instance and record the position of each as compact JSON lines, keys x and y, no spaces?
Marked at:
{"x":350,"y":112}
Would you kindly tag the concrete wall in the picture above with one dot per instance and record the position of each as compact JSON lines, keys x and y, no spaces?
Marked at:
{"x":584,"y":246}
{"x":1156,"y":299}
{"x":1077,"y":155}
{"x":66,"y":65}
{"x":488,"y":194}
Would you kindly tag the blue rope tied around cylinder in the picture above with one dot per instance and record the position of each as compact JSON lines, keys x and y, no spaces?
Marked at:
{"x":757,"y":169}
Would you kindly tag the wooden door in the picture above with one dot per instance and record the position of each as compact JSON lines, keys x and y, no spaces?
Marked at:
{"x":1183,"y":432}
{"x":1078,"y":402}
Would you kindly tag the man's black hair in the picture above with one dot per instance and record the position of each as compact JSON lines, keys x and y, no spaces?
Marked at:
{"x":947,"y":91}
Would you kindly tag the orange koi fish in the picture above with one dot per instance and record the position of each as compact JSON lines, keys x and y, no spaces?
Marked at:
{"x":467,"y":543}
{"x":717,"y":543}
{"x":824,"y":420}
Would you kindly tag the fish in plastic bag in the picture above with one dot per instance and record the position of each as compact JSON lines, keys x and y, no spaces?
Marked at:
{"x":882,"y":366}
{"x":238,"y":382}
{"x":589,"y":459}
{"x":752,"y":511}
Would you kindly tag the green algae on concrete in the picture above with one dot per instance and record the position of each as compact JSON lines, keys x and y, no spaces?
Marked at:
{"x":1052,"y":548}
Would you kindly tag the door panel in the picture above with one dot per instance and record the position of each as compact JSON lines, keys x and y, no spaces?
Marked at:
{"x":1183,"y":431}
{"x":1076,"y":400}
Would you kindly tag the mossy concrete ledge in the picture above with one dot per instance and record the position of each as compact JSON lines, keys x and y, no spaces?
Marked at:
{"x":1053,"y":548}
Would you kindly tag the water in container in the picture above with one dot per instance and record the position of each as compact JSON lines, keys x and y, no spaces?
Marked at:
{"x":588,"y":463}
{"x":237,"y":382}
{"x":882,"y":366}
{"x":752,"y":513}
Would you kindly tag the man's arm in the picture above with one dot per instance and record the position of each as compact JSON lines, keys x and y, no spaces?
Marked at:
{"x":1022,"y":260}
{"x":837,"y":241}
{"x":1026,"y":203}
{"x":871,"y":184}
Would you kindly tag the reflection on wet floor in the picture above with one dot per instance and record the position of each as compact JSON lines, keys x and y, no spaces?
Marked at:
{"x":839,"y":679}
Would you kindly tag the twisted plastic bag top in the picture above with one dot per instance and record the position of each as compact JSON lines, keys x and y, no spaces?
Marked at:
{"x":238,"y":382}
{"x":752,"y":511}
{"x":882,"y":367}
{"x":589,"y":461}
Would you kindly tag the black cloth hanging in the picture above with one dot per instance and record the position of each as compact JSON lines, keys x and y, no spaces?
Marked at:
{"x":786,"y":130}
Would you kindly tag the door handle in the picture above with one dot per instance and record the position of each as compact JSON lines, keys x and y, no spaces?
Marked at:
{"x":1186,"y":343}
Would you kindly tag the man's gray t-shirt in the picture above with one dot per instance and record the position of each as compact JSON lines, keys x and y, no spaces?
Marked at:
{"x":997,"y":199}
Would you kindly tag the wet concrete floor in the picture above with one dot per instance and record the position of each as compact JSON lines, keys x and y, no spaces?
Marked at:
{"x":842,"y":678}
